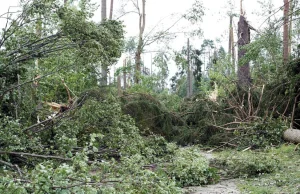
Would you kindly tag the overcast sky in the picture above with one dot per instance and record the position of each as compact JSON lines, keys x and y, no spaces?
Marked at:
{"x":215,"y":22}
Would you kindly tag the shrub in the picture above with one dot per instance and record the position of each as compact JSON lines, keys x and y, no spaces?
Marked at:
{"x":190,"y":168}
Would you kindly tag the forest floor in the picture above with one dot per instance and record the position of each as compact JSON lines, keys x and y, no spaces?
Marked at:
{"x":286,"y":179}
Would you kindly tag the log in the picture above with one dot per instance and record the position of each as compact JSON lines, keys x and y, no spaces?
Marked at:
{"x":292,"y":135}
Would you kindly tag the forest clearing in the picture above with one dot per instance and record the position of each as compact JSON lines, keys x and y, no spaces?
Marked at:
{"x":99,"y":97}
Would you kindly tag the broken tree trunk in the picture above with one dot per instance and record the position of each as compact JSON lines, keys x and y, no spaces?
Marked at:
{"x":292,"y":135}
{"x":243,"y":39}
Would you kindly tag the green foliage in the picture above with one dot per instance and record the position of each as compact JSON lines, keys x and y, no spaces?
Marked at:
{"x":139,"y":180}
{"x":246,"y":164}
{"x":150,"y":114}
{"x":68,"y":43}
{"x":190,"y":168}
{"x":12,"y":136}
{"x":262,"y":133}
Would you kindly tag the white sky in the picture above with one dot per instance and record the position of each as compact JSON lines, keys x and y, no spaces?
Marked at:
{"x":215,"y":22}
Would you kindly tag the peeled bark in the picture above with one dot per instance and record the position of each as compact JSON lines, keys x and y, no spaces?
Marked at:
{"x":292,"y":135}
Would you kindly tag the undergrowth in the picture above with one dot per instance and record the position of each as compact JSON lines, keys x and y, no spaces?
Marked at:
{"x":283,"y":180}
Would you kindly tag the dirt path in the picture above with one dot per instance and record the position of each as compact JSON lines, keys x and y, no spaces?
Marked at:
{"x":223,"y":187}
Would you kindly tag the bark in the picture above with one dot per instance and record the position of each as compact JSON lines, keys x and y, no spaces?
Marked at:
{"x":292,"y":135}
{"x":138,"y":61}
{"x":286,"y":32}
{"x":103,"y":81}
{"x":243,"y":39}
{"x":65,"y":2}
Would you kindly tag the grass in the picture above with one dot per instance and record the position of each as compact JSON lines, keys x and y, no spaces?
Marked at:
{"x":283,"y":178}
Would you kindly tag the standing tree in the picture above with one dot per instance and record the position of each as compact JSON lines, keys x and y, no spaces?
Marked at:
{"x":286,"y":31}
{"x":111,"y":9}
{"x":139,"y":50}
{"x":103,"y":65}
{"x":231,"y":46}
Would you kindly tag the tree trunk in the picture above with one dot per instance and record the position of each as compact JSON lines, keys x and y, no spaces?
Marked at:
{"x":286,"y":32}
{"x":119,"y":85}
{"x":188,"y":81}
{"x":292,"y":135}
{"x":103,"y":81}
{"x":124,"y":73}
{"x":111,"y":9}
{"x":233,"y":50}
{"x":292,"y":5}
{"x":230,"y":40}
{"x":138,"y":61}
{"x":243,"y":39}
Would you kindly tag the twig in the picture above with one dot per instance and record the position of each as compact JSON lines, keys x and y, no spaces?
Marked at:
{"x":222,"y":145}
{"x":293,"y":113}
{"x":84,"y":183}
{"x":16,"y":167}
{"x":296,"y":147}
{"x":39,"y":156}
{"x":286,"y":107}
{"x":248,"y":148}
{"x":260,"y":99}
{"x":36,"y":155}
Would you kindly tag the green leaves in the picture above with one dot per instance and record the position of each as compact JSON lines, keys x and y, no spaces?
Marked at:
{"x":190,"y":168}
